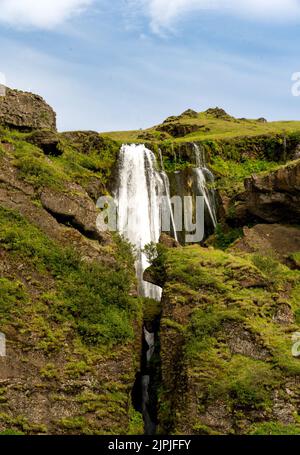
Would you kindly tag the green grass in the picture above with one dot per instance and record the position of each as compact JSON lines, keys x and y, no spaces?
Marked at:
{"x":93,"y":297}
{"x":53,"y":171}
{"x":223,"y":238}
{"x":275,"y":429}
{"x":214,"y":129}
{"x":230,"y":174}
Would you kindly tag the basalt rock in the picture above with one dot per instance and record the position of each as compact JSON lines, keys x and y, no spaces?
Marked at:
{"x":76,"y":210}
{"x":180,"y":129}
{"x":274,"y":197}
{"x":270,"y":239}
{"x":85,"y":141}
{"x":218,"y":113}
{"x":189,"y":113}
{"x":25,"y":111}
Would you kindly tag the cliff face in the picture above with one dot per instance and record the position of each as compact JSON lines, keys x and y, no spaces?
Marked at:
{"x":274,"y":197}
{"x":226,"y":344}
{"x":68,"y":305}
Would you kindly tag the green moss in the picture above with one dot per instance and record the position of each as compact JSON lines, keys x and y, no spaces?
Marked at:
{"x":12,"y":295}
{"x":204,"y":430}
{"x":22,"y":423}
{"x":295,"y":257}
{"x":35,"y":168}
{"x":82,"y":166}
{"x":136,"y":424}
{"x":74,"y":163}
{"x":172,"y":325}
{"x":3,"y":398}
{"x":72,"y":423}
{"x":232,"y":173}
{"x":93,"y":297}
{"x":76,"y":369}
{"x":11,"y":432}
{"x":49,"y":371}
{"x":224,"y":238}
{"x":151,"y":309}
{"x":275,"y":429}
{"x":212,"y":297}
{"x":269,"y":266}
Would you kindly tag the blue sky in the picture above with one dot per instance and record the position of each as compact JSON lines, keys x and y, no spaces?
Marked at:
{"x":128,"y":64}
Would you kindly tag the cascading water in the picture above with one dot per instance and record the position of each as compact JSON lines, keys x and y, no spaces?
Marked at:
{"x":168,"y":195}
{"x":205,"y":183}
{"x":139,"y":202}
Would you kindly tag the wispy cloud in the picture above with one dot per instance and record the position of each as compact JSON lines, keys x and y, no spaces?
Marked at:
{"x":41,"y":14}
{"x":164,"y":13}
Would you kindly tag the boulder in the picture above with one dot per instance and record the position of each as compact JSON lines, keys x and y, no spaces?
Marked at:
{"x":218,"y":113}
{"x":75,"y":210}
{"x":274,"y":197}
{"x":180,"y":129}
{"x":85,"y":141}
{"x":25,"y":111}
{"x":190,"y":113}
{"x":274,"y":239}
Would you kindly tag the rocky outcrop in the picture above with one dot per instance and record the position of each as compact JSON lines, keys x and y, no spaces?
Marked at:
{"x":46,"y":140}
{"x":274,"y":197}
{"x":85,"y":141}
{"x":218,"y":113}
{"x":181,"y":125}
{"x":75,"y":209}
{"x":64,"y":288}
{"x":270,"y":239}
{"x":188,"y":114}
{"x":177,"y":129}
{"x":226,"y":339}
{"x":25,"y":111}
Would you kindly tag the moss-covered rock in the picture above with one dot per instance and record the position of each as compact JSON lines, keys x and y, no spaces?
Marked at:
{"x":227,"y":364}
{"x":68,"y":305}
{"x":25,"y":111}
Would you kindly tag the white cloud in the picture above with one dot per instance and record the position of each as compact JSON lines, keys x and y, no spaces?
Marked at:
{"x":163,"y":13}
{"x":40,"y":13}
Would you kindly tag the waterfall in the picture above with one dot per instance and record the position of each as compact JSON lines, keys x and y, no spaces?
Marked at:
{"x":139,"y":200}
{"x":139,"y":203}
{"x":205,"y":183}
{"x":168,"y":194}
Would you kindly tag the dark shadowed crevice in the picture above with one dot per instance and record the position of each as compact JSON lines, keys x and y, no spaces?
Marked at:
{"x":70,"y":221}
{"x":145,"y":390}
